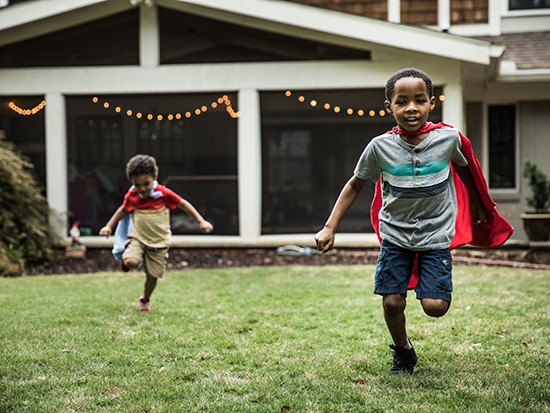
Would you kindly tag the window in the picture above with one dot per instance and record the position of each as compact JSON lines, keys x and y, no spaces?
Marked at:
{"x":195,"y":146}
{"x":309,"y":153}
{"x":22,"y":120}
{"x":502,"y":146}
{"x":529,"y":4}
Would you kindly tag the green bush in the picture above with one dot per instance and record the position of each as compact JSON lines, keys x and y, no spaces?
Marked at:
{"x":26,"y":239}
{"x":540,"y":186}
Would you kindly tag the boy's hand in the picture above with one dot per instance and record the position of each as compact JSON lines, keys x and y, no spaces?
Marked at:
{"x":105,"y":231}
{"x":324,"y":240}
{"x":479,"y":213}
{"x":206,"y":227}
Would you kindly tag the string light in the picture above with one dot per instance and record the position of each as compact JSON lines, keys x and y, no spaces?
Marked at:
{"x":27,"y":112}
{"x":203,"y":108}
{"x":349,"y":111}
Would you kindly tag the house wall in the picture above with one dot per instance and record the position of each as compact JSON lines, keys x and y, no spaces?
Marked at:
{"x":248,"y":80}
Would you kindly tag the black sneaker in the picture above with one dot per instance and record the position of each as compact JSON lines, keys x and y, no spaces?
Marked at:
{"x":403,"y":360}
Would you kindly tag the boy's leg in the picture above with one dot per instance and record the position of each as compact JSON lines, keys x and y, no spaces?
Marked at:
{"x":150,"y":284}
{"x":393,"y":272}
{"x":154,"y":263}
{"x":394,"y":313}
{"x":435,"y":283}
{"x":133,"y":254}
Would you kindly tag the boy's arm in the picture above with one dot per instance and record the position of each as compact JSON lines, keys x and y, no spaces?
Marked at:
{"x":205,"y":226}
{"x":476,"y":204}
{"x":325,"y":237}
{"x":117,"y":216}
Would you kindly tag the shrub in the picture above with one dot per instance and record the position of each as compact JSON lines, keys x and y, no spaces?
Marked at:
{"x":26,"y":239}
{"x":540,"y":186}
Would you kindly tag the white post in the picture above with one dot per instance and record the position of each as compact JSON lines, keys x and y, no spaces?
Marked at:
{"x":453,"y":107}
{"x":394,"y":11}
{"x":496,"y":8}
{"x":56,"y":162}
{"x":149,"y":54}
{"x":444,"y":14}
{"x":249,"y":165}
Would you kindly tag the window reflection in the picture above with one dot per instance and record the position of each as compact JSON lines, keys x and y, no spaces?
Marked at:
{"x":309,"y":153}
{"x":197,"y":157}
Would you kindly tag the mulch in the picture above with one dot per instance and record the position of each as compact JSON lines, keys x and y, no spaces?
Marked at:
{"x":99,"y":260}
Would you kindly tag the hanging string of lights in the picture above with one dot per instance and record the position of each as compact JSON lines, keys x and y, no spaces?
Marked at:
{"x":349,"y":111}
{"x":222,"y":100}
{"x":27,"y":112}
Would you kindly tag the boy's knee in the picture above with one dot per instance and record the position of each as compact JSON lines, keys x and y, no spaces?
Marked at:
{"x":434,"y":307}
{"x":394,"y":304}
{"x":131,"y":262}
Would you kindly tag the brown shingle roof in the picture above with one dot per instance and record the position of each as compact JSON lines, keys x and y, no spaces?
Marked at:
{"x":528,"y":50}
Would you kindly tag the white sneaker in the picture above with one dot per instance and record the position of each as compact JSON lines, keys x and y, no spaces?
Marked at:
{"x":144,"y":304}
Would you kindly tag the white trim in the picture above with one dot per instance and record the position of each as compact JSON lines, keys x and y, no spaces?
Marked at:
{"x":325,"y":74}
{"x":342,"y":240}
{"x":444,"y":14}
{"x":394,"y":11}
{"x":526,"y":75}
{"x":495,"y":12}
{"x":56,"y":161}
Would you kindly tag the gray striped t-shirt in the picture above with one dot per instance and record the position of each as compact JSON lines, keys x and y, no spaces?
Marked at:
{"x":418,"y":195}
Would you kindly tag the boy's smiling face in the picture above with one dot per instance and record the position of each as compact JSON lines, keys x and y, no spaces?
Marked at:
{"x":410,"y":104}
{"x":144,"y":184}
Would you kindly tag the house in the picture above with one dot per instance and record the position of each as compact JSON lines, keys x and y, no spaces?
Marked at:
{"x":257,"y":110}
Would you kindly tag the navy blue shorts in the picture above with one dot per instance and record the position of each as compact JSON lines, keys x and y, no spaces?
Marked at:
{"x":394,"y":269}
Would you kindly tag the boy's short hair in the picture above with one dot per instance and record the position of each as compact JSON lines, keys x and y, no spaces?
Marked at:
{"x":141,"y":165}
{"x":409,"y":72}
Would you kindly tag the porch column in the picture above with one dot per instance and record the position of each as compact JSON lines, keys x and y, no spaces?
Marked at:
{"x":56,"y":162}
{"x":149,"y":54}
{"x":249,"y":152}
{"x":453,"y":107}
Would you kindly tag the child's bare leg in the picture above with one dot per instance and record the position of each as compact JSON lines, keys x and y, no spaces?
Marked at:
{"x":150,"y":284}
{"x":435,"y":307}
{"x":394,"y":314}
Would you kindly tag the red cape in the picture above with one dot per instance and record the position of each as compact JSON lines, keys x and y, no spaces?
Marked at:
{"x":492,"y":233}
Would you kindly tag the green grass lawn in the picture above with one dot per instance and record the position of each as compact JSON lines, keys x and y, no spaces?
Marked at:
{"x":272,"y":339}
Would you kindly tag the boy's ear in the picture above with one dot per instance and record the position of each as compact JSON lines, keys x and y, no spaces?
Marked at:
{"x":156,"y":176}
{"x":432,"y":103}
{"x":388,"y":107}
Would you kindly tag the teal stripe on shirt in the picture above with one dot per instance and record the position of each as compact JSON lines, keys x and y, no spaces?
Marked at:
{"x":409,"y":169}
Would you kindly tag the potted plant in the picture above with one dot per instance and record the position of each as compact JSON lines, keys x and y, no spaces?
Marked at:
{"x":537,"y":222}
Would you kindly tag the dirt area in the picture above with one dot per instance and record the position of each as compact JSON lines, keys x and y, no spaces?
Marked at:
{"x":97,"y":260}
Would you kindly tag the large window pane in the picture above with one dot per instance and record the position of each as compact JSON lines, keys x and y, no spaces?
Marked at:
{"x":22,"y":120}
{"x":195,"y":146}
{"x":502,"y":146}
{"x":529,"y":4}
{"x":309,"y":153}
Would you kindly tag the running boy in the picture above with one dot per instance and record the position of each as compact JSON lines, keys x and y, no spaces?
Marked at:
{"x":149,"y":241}
{"x":417,"y":206}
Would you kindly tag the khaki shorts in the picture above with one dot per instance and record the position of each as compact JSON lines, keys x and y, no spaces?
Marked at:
{"x":153,"y":259}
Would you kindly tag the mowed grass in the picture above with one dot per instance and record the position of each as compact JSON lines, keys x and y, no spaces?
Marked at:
{"x":271,"y":339}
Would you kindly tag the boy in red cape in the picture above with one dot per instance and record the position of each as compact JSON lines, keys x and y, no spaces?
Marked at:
{"x":430,"y":197}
